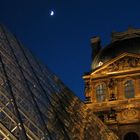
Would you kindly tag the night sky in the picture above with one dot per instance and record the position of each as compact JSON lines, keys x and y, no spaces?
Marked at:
{"x":62,"y":41}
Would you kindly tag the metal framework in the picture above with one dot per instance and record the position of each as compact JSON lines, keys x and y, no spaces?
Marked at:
{"x":34,"y":102}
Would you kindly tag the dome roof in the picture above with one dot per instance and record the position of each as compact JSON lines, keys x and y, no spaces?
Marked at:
{"x":122,"y":42}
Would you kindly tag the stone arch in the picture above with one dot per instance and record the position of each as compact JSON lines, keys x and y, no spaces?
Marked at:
{"x":131,"y":136}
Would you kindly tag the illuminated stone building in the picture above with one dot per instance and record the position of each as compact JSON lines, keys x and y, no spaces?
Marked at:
{"x":34,"y":102}
{"x":112,"y":87}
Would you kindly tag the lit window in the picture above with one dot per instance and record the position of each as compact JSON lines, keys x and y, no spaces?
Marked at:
{"x":129,"y":89}
{"x":100,"y":93}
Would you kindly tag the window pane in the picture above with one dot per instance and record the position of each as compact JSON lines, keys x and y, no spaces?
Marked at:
{"x":129,"y":89}
{"x":100,"y":92}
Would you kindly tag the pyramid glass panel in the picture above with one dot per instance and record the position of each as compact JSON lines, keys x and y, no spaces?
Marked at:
{"x":34,"y":102}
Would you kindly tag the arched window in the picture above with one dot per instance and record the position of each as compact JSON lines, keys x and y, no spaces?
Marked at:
{"x":131,"y":136}
{"x":129,"y":89}
{"x":100,"y":92}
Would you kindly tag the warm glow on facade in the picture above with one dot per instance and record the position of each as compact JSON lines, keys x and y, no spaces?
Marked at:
{"x":112,"y":90}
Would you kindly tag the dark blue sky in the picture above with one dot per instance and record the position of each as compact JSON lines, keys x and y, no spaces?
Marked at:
{"x":63,"y":41}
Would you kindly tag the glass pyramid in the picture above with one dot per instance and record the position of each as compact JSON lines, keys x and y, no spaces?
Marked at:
{"x":34,"y":102}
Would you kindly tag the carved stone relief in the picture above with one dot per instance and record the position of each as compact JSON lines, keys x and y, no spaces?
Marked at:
{"x":112,"y":88}
{"x":87,"y":89}
{"x":124,"y":63}
{"x":128,"y":115}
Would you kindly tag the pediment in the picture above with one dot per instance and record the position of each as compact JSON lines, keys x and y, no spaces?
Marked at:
{"x":125,"y":61}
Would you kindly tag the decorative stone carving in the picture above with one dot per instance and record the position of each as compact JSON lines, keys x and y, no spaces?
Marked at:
{"x":112,"y":88}
{"x":125,"y":63}
{"x":128,"y":115}
{"x":87,"y":89}
{"x":88,"y":92}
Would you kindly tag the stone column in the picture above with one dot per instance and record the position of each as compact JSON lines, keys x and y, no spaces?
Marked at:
{"x":137,"y":88}
{"x":120,"y":90}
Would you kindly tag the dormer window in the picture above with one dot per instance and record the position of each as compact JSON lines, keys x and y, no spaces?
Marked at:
{"x":100,"y":63}
{"x":129,"y":89}
{"x":101,"y":92}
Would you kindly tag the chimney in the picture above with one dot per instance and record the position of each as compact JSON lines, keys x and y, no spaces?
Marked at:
{"x":95,"y":45}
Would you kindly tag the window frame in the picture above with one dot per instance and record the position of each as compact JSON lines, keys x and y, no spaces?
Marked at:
{"x":101,"y":94}
{"x":129,"y":92}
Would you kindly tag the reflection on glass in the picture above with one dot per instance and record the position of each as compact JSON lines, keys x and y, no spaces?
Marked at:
{"x":129,"y":89}
{"x":100,"y":93}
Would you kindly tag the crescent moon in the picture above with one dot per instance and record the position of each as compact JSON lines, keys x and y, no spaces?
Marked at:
{"x":52,"y":13}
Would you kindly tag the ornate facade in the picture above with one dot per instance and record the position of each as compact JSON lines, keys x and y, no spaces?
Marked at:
{"x":112,"y":88}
